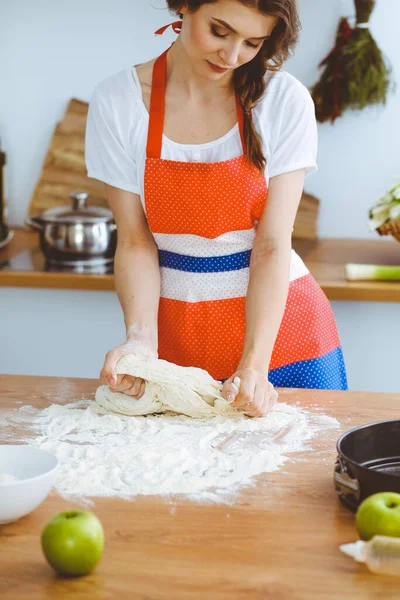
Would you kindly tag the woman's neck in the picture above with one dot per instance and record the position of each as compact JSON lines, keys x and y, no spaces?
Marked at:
{"x":181,"y":76}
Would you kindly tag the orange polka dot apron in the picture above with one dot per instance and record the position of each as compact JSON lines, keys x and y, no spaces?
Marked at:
{"x":203,"y":217}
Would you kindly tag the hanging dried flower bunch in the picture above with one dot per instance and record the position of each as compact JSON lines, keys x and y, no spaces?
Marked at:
{"x":356,"y":74}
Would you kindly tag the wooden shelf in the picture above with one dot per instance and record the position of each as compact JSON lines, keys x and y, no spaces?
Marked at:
{"x":36,"y":277}
{"x":325,"y":258}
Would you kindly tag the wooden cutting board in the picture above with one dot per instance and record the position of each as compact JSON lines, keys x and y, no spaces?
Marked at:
{"x":306,"y":223}
{"x":64,"y":172}
{"x":64,"y":169}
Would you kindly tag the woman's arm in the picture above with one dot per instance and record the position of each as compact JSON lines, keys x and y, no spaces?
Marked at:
{"x":137,"y":282}
{"x":270,"y":269}
{"x":136,"y":265}
{"x":266,"y":294}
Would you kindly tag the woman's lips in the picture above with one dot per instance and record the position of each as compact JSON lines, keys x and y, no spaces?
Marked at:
{"x":216,"y":68}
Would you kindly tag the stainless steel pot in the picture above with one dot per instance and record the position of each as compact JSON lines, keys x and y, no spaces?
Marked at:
{"x":78,"y":235}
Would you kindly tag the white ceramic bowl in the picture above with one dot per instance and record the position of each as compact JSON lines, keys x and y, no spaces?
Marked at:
{"x":35,"y":470}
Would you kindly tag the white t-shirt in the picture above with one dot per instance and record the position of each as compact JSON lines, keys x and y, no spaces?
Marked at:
{"x":117,"y":125}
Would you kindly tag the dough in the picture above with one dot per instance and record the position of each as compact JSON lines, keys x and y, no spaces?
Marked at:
{"x":184,"y":390}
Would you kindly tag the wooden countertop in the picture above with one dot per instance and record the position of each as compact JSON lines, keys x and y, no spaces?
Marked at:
{"x":325,"y":259}
{"x":280,"y":539}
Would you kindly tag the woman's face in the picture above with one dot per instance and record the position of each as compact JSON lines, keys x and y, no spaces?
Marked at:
{"x":223,"y":36}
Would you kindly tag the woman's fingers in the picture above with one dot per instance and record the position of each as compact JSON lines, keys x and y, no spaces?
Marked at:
{"x":107,"y":374}
{"x":273,"y":398}
{"x":229,"y":390}
{"x":256,"y":406}
{"x":126,"y":384}
{"x":104,"y":376}
{"x":129,"y":385}
{"x":265,"y":397}
{"x":246,"y":392}
{"x":142,"y":389}
{"x":265,"y":406}
{"x":123,"y":383}
{"x":253,"y":394}
{"x":135,"y":389}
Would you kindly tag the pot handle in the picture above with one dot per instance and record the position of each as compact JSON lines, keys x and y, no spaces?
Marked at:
{"x":34,"y":222}
{"x":113,"y":226}
{"x":345,"y":484}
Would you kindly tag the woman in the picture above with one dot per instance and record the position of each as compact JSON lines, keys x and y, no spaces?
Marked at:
{"x":203,"y":152}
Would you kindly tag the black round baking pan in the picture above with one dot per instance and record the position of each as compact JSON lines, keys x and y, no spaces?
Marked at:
{"x":368,"y":462}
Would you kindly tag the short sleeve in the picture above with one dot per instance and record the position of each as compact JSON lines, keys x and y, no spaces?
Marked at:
{"x":296,"y":142}
{"x":106,"y":146}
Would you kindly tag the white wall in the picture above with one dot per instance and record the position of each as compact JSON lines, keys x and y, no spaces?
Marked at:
{"x":66,"y":333}
{"x":52,"y":51}
{"x":58,"y":333}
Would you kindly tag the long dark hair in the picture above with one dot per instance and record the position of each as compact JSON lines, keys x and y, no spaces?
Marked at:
{"x":249,"y":82}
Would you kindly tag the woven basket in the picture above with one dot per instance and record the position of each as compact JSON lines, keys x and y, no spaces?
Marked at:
{"x":390,"y":228}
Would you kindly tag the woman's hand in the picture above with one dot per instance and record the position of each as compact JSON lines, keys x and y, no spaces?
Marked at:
{"x":250,"y":391}
{"x":127,"y":384}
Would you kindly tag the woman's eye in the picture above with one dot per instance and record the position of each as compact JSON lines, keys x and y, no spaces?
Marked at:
{"x":217,"y":34}
{"x":252,"y":45}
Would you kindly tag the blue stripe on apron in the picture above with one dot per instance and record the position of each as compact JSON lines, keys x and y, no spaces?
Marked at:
{"x":325,"y":373}
{"x":204,"y":264}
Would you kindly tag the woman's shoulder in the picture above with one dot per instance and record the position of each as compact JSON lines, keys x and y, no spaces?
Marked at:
{"x":282,"y":87}
{"x":145,"y":73}
{"x":114,"y":86}
{"x":120,"y":91}
{"x":285,"y":117}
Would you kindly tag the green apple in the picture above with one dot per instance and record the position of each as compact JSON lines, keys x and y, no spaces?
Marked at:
{"x":379,"y":514}
{"x":73,"y":542}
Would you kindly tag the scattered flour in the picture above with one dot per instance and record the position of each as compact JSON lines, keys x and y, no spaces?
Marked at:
{"x":116,"y":455}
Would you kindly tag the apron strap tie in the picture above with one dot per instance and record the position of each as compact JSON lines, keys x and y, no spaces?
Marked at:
{"x":176,"y":26}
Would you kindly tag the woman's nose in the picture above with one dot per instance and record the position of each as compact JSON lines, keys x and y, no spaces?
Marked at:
{"x":230,"y":54}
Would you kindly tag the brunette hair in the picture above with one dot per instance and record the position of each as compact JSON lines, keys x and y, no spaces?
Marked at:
{"x":249,"y":81}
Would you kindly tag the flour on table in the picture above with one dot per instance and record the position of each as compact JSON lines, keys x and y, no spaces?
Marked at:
{"x":184,"y":390}
{"x":105,"y":450}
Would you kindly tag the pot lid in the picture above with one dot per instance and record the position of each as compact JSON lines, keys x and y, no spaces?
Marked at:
{"x":79,"y":212}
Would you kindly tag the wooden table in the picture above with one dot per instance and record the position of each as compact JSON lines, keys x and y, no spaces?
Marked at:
{"x":325,"y":258}
{"x":280,"y":540}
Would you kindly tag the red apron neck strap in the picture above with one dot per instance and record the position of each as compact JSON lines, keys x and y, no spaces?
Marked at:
{"x":176,"y":26}
{"x":157,"y":109}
